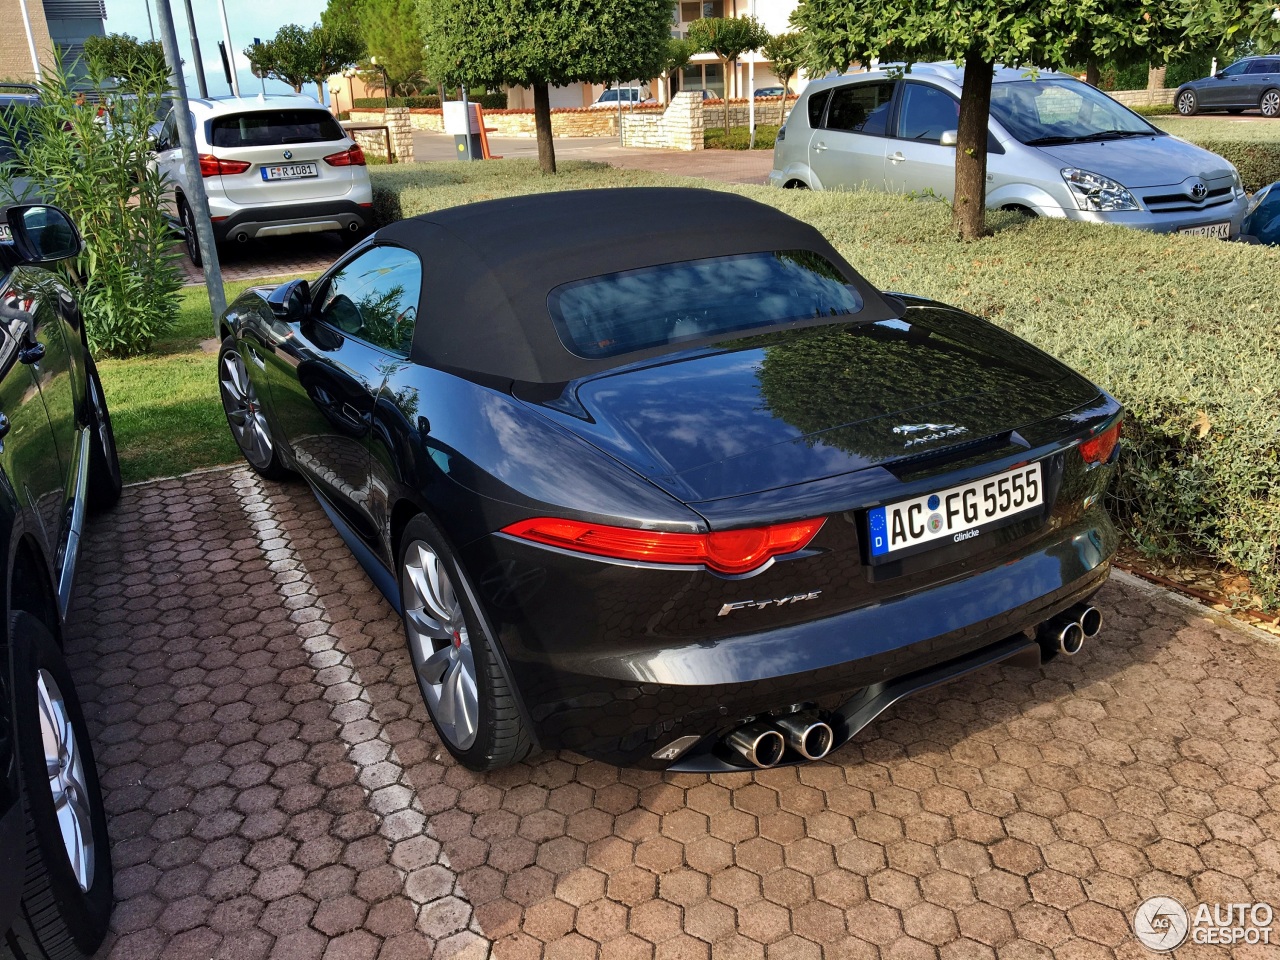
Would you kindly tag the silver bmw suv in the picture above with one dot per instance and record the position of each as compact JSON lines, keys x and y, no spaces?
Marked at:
{"x":1056,"y":148}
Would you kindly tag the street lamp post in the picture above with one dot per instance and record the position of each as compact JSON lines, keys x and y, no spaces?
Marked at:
{"x":335,"y":92}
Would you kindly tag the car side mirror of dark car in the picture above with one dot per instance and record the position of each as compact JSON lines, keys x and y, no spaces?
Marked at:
{"x":42,"y":234}
{"x":291,"y":302}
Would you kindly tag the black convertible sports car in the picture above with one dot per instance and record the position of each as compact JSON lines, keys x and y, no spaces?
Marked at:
{"x":654,"y":475}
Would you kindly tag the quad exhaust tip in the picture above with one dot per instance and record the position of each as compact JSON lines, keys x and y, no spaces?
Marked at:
{"x":759,"y":743}
{"x":807,"y":735}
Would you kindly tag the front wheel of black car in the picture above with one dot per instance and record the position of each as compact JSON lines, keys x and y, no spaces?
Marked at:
{"x":1187,"y":103}
{"x":245,"y":416}
{"x":463,"y":681}
{"x":67,"y":890}
{"x":105,"y":481}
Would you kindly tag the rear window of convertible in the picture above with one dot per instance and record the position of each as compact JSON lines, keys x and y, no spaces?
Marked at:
{"x":696,"y":299}
{"x":275,"y":128}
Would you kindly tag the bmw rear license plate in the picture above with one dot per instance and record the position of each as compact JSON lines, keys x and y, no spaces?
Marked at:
{"x":290,"y":171}
{"x":1220,"y":230}
{"x":956,"y":514}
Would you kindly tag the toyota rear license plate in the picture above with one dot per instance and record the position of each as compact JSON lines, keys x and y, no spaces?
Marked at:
{"x":290,"y":171}
{"x":956,"y":514}
{"x":1220,"y":230}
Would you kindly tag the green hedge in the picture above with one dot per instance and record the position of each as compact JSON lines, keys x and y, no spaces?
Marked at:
{"x":490,"y":101}
{"x":739,"y":138}
{"x":1254,"y":148}
{"x":1182,"y":330}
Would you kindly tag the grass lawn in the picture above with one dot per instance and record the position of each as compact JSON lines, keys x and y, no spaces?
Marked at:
{"x":164,"y":406}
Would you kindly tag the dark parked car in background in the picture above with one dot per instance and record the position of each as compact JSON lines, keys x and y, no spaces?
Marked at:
{"x":692,"y":496}
{"x":57,"y":462}
{"x":1251,"y":83}
{"x":1262,"y":218}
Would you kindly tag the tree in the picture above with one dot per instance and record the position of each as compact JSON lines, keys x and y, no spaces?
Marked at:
{"x":345,"y":16}
{"x":392,"y":32}
{"x":287,"y":56}
{"x":785,"y":51}
{"x":977,"y":34}
{"x":537,"y":43}
{"x":127,"y":60}
{"x":728,"y":38}
{"x":333,"y":49}
{"x":1222,"y":24}
{"x":678,"y":53}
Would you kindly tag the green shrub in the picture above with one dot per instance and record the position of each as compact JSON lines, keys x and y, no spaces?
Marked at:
{"x":1182,"y":330}
{"x":1155,"y":110}
{"x":1254,"y":148}
{"x":739,"y":138}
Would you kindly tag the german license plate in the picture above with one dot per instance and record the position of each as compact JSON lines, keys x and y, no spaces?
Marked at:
{"x":290,"y":171}
{"x":955,"y":514}
{"x":1220,"y":230}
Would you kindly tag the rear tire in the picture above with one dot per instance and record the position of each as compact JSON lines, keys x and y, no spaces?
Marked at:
{"x":190,"y":239}
{"x":461,"y":674}
{"x":1270,"y":103}
{"x":105,"y":482}
{"x":65,"y":909}
{"x":1188,"y":103}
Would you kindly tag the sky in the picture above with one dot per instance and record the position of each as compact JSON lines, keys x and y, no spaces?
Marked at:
{"x":247,"y":19}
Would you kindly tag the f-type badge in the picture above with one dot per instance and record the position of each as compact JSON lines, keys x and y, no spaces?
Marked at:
{"x":919,"y":433}
{"x":728,"y":608}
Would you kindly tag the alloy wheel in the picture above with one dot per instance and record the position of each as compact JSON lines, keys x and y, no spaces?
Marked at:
{"x":440,"y":645}
{"x":1271,"y":103}
{"x":1186,"y":103}
{"x":244,"y":412}
{"x":65,"y":768}
{"x":189,"y":233}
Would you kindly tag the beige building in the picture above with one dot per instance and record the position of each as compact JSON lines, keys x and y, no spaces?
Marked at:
{"x":59,"y":29}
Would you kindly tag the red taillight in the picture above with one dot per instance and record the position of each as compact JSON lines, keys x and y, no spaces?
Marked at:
{"x":351,"y":157}
{"x":1099,"y":449}
{"x":726,"y":551}
{"x":211,"y":166}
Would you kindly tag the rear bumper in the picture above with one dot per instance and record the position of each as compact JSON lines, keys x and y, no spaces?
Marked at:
{"x":278,"y":221}
{"x":623,"y":706}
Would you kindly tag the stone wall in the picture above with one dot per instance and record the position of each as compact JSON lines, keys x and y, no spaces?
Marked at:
{"x":1142,"y":98}
{"x":679,"y":127}
{"x":519,"y":123}
{"x":739,"y":111}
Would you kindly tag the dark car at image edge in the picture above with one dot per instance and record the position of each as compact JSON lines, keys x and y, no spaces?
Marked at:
{"x":57,"y":463}
{"x":656,"y":476}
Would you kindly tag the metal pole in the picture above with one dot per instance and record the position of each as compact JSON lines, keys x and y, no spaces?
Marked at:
{"x":466,"y":112}
{"x":751,"y":91}
{"x":195,"y":182}
{"x":146,"y":4}
{"x":231,"y":51}
{"x":195,"y":51}
{"x":618,"y":88}
{"x":31,"y":41}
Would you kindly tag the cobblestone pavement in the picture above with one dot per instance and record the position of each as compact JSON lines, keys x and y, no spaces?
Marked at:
{"x":275,"y":788}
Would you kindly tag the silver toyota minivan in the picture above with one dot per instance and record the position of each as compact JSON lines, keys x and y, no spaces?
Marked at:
{"x":1057,"y":148}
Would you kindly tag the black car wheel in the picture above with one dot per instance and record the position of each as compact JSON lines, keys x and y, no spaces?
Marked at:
{"x":460,"y":673}
{"x":189,"y":238}
{"x":245,"y":415}
{"x":1270,"y":103}
{"x":105,"y":481}
{"x":1187,"y":103}
{"x":67,"y":892}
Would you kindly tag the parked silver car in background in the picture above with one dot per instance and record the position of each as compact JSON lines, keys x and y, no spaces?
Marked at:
{"x":1057,"y":148}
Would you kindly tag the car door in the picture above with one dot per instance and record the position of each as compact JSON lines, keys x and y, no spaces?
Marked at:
{"x":1226,"y":89}
{"x":328,"y":369}
{"x":915,"y":160}
{"x":848,"y":149}
{"x":1259,"y":77}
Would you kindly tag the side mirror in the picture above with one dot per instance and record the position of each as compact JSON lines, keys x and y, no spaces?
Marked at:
{"x":291,"y":302}
{"x":949,"y":138}
{"x":43,"y":234}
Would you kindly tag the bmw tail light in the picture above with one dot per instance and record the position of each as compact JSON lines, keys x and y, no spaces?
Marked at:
{"x":1099,"y":449}
{"x":725,"y":551}
{"x":211,"y":166}
{"x":351,"y":157}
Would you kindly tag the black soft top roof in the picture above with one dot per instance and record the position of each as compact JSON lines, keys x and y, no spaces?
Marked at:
{"x":488,"y":268}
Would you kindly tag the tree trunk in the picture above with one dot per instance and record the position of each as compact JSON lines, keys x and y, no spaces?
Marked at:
{"x":969,"y":209}
{"x":782,"y":110}
{"x":1155,"y":76}
{"x":542,"y":123}
{"x":1091,"y":71}
{"x":320,"y":90}
{"x":724,"y":76}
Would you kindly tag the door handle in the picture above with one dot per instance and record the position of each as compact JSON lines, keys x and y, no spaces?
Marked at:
{"x":5,"y":425}
{"x":896,"y":157}
{"x":33,"y":353}
{"x":819,"y":146}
